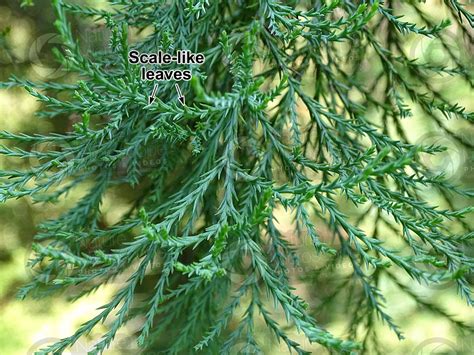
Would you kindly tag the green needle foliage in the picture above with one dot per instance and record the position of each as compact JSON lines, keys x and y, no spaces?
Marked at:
{"x":298,"y":108}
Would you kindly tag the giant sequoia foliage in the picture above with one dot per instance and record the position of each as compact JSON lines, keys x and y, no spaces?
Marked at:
{"x":297,"y":111}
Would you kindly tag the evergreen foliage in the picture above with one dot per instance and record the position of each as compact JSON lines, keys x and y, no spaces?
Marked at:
{"x":298,"y":107}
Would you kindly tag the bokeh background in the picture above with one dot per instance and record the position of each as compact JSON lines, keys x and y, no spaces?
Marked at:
{"x":27,"y":37}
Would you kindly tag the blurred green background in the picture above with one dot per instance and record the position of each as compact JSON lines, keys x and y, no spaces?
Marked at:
{"x":27,"y":36}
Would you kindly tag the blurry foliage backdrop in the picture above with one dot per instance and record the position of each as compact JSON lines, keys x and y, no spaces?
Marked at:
{"x":27,"y":38}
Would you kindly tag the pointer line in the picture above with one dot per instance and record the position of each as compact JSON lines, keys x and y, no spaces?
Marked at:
{"x":180,"y":94}
{"x":178,"y":89}
{"x":155,"y":88}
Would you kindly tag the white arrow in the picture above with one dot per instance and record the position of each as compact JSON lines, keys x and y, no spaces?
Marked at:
{"x":151,"y":98}
{"x":180,"y":94}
